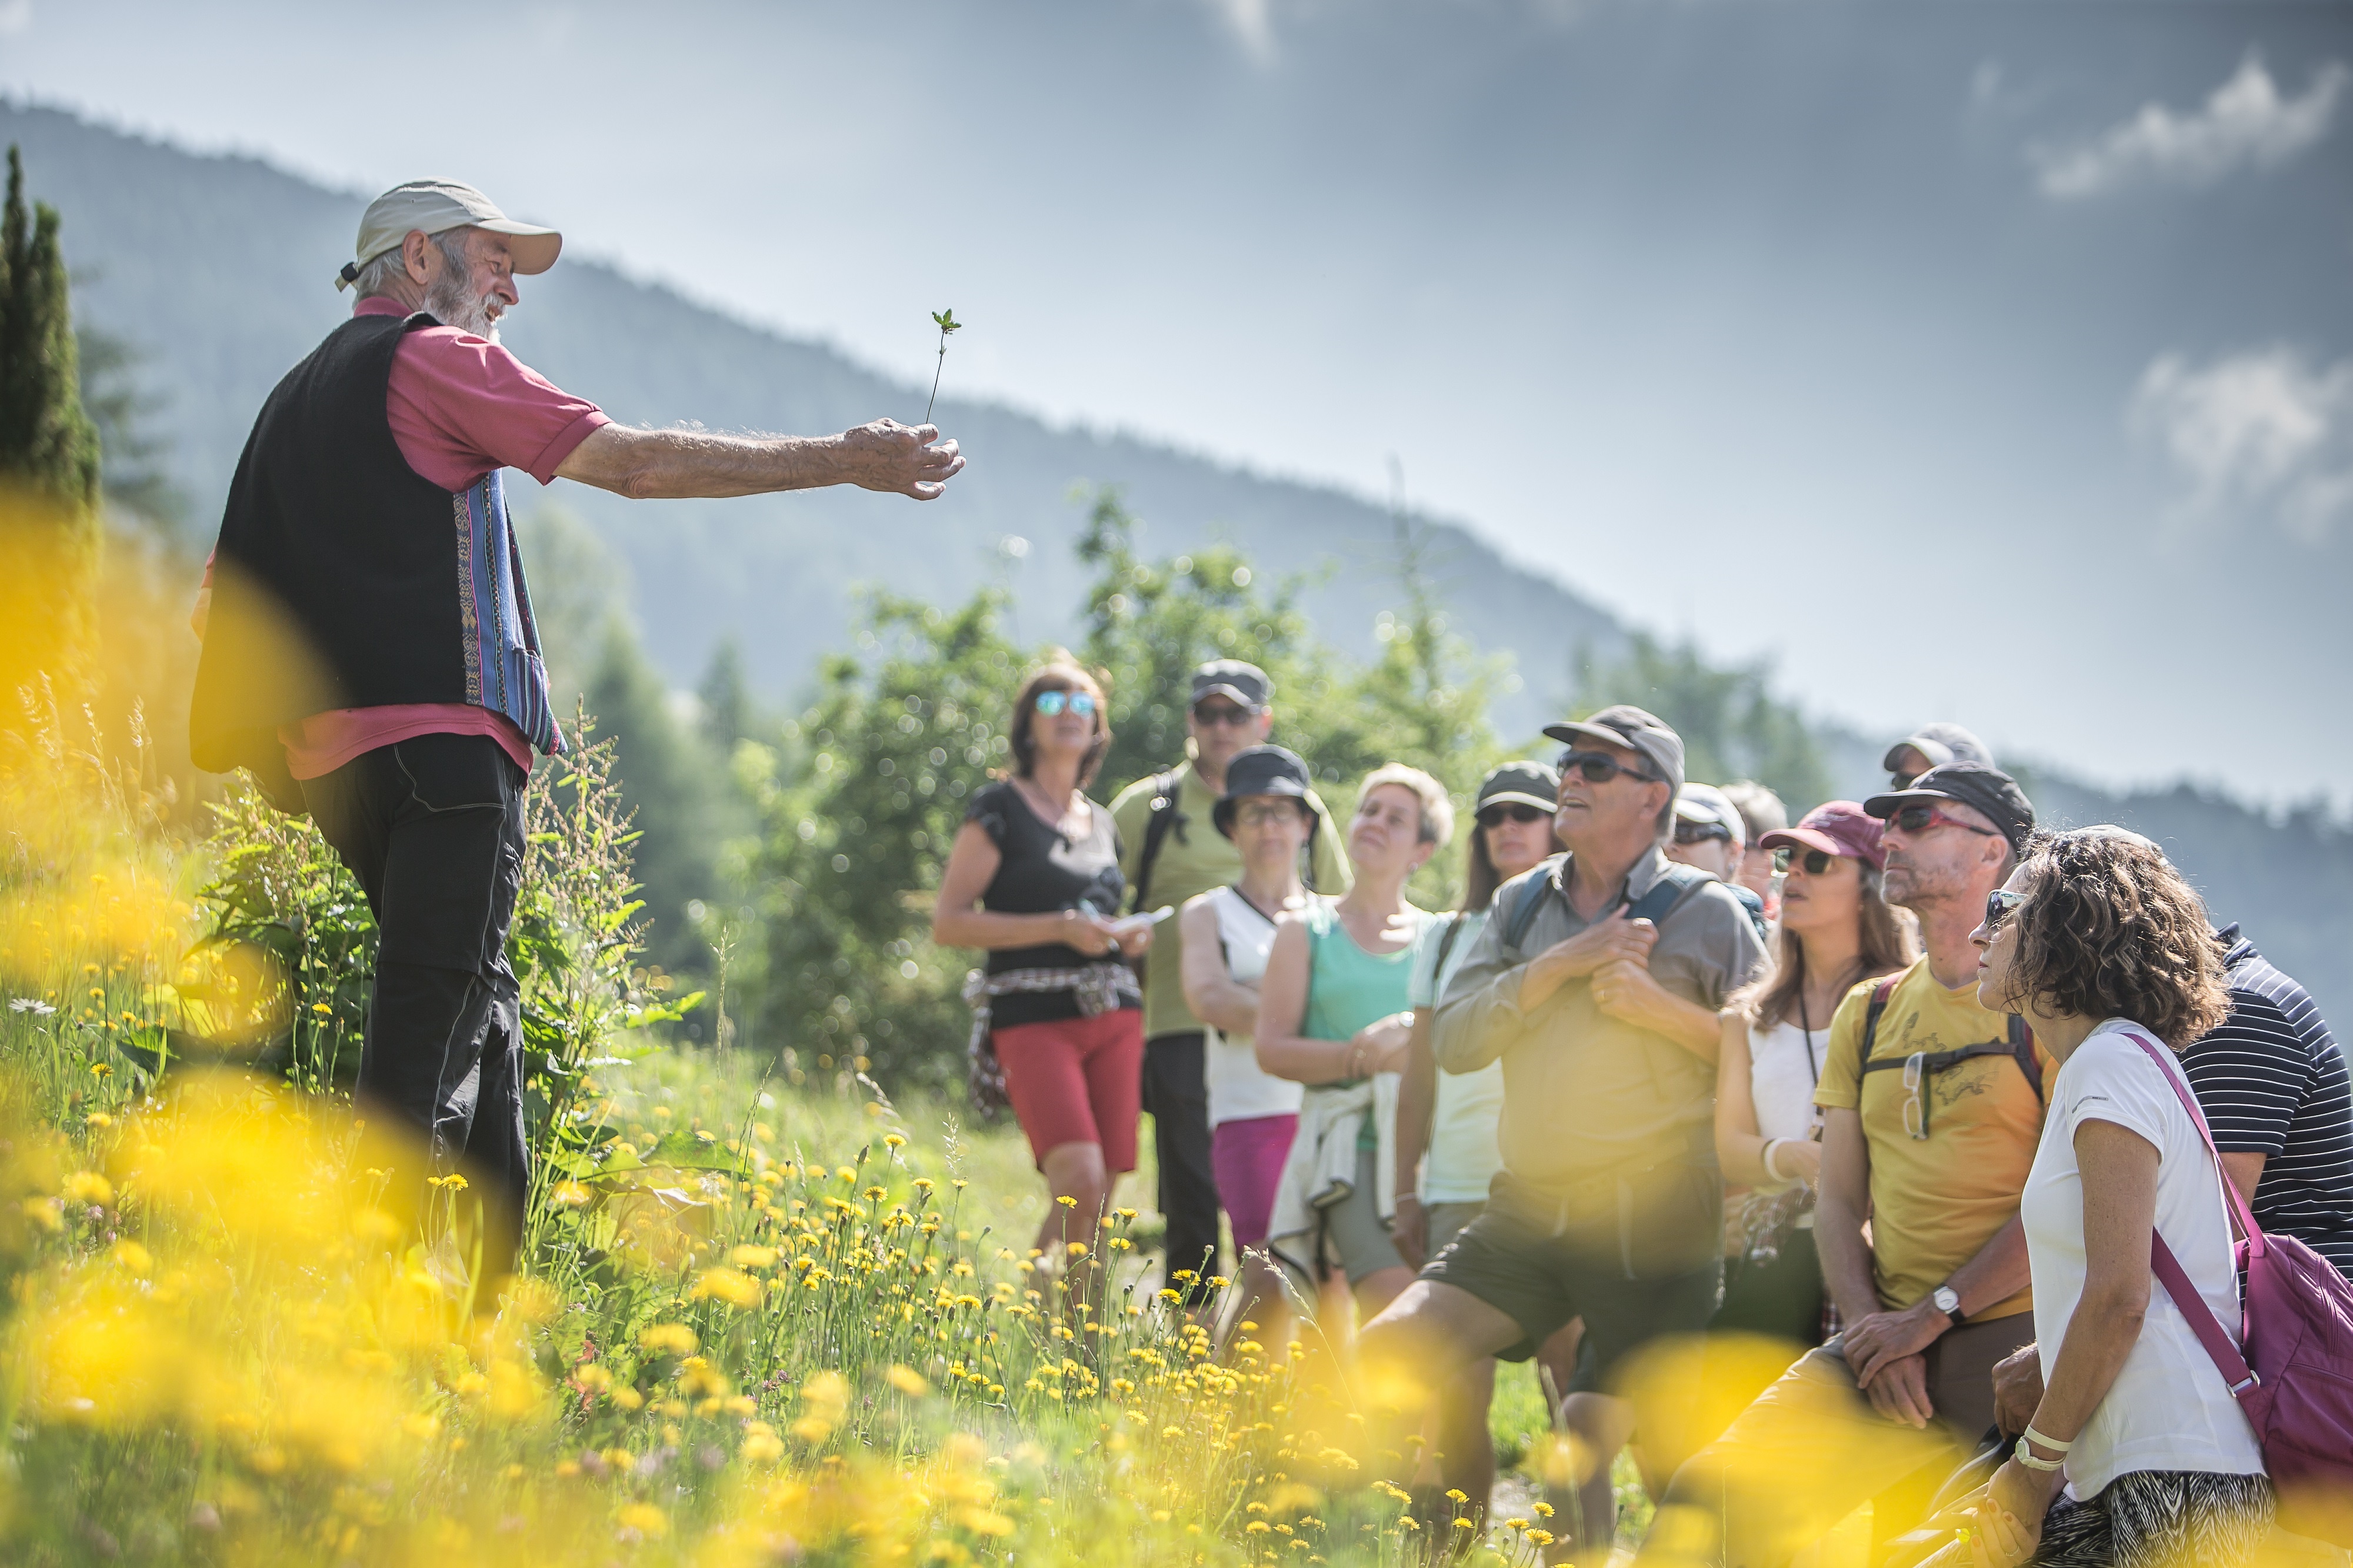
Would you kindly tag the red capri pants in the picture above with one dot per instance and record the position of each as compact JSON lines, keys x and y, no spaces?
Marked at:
{"x":1077,"y":1080}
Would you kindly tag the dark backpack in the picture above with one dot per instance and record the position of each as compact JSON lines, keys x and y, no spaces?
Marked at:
{"x":2019,"y":1047}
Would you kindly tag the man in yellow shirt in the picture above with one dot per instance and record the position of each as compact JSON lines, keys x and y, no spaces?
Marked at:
{"x":1932,"y":1106}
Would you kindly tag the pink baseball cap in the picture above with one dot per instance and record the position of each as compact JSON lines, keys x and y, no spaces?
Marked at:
{"x":1834,"y":827}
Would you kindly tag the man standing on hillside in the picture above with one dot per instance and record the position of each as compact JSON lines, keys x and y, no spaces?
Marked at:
{"x":369,"y":648}
{"x":1169,"y":855}
{"x":1610,"y":1204}
{"x":1932,"y":1106}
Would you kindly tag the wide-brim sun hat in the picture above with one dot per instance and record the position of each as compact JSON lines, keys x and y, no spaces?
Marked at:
{"x":1263,"y":771}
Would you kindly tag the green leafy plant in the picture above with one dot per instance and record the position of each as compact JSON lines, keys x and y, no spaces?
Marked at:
{"x":947,"y":323}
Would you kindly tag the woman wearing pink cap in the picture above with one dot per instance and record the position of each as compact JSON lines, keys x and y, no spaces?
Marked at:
{"x":1836,"y":932}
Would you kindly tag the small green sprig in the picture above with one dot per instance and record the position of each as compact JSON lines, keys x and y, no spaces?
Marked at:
{"x":947,"y":323}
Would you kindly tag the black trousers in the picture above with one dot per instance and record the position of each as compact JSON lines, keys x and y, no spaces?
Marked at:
{"x":433,"y":828}
{"x":1177,"y":1093}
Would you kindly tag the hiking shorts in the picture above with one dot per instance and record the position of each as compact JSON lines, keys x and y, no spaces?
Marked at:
{"x":1520,"y":1259}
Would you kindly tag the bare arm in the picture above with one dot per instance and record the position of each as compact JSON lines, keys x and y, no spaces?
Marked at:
{"x":667,"y":464}
{"x":2246,"y":1171}
{"x":958,"y":921}
{"x":1211,"y":992}
{"x":1282,"y":1050}
{"x":1839,"y":1214}
{"x":2120,"y":1169}
{"x":1739,"y":1148}
{"x":1417,"y":1108}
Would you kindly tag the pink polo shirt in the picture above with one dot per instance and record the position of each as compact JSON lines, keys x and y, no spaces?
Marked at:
{"x":459,"y":405}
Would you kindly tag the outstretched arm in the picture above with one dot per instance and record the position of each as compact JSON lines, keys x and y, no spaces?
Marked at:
{"x":646,"y":465}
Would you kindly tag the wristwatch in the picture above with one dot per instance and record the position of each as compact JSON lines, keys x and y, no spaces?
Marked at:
{"x":1948,"y":1300}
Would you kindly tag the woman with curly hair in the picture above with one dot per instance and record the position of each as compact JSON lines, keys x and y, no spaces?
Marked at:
{"x":2137,"y":1453}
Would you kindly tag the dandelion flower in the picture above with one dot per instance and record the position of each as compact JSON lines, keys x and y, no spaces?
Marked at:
{"x":908,"y":1381}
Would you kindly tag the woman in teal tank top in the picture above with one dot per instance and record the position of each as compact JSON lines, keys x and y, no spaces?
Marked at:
{"x":1333,"y":1015}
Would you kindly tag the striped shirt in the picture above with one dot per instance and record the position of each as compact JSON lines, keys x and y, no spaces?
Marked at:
{"x":2272,"y":1081}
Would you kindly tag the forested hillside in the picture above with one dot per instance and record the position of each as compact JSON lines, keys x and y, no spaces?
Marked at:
{"x":200,"y":279}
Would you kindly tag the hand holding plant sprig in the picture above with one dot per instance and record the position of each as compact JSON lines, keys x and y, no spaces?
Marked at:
{"x":947,"y":323}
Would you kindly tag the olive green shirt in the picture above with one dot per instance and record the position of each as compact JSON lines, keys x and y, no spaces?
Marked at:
{"x":1194,"y":858}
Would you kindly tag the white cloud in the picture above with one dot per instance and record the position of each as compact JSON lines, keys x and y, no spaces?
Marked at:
{"x":16,"y":16}
{"x":2264,"y":432}
{"x":2246,"y":123}
{"x":1251,"y":22}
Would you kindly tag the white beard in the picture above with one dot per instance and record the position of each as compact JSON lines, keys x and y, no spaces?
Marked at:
{"x":449,"y":303}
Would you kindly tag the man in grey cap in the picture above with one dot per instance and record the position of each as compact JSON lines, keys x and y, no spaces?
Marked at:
{"x":1610,"y":1207}
{"x":369,"y":650}
{"x":1168,"y":858}
{"x":1932,"y":746}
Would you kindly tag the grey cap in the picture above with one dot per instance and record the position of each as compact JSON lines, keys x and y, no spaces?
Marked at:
{"x":1705,"y":802}
{"x":433,"y":207}
{"x":1245,"y":683}
{"x":1941,"y":743}
{"x":1627,"y":725}
{"x":1526,"y":783}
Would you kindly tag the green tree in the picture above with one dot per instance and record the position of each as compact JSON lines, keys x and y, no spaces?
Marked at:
{"x":858,"y":806}
{"x":1732,"y":724}
{"x":48,"y":462}
{"x":676,"y":789}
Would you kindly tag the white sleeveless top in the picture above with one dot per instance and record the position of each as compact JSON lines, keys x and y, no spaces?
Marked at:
{"x":1783,"y":1065}
{"x":1238,"y":1087}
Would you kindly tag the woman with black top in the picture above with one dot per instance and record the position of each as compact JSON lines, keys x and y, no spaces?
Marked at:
{"x":1056,"y":1004}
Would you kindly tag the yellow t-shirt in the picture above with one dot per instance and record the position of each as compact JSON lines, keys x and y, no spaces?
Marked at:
{"x":1935,"y":1201}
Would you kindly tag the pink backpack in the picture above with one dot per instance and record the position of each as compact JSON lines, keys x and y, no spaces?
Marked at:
{"x":2297,"y":1327}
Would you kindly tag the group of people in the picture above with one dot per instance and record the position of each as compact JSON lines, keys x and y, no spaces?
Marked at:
{"x":1890,"y":1086}
{"x":1928,"y":1054}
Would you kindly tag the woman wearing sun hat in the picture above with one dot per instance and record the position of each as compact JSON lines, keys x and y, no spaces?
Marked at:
{"x":1836,"y":930}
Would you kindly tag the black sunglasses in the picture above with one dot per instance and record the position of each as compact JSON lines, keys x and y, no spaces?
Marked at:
{"x":2000,"y":905}
{"x":1225,"y":713}
{"x":1814,"y":861}
{"x":1516,"y":810}
{"x":1599,"y":767}
{"x":1918,"y":817}
{"x":1701,"y":832}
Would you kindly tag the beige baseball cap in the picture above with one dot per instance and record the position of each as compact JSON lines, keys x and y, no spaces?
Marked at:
{"x":435,"y":206}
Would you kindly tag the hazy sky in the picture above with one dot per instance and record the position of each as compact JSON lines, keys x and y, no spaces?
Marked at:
{"x":1989,"y":362}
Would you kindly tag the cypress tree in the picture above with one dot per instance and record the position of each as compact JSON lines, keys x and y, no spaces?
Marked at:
{"x":49,"y":464}
{"x":47,"y":441}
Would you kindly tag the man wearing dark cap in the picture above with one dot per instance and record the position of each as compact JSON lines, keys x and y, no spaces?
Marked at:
{"x":1932,"y":746}
{"x":1932,"y":1106}
{"x":369,"y":650}
{"x":1170,"y":853}
{"x":1610,"y":1206}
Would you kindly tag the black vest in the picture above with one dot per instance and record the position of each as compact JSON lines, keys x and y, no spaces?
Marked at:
{"x":345,"y":579}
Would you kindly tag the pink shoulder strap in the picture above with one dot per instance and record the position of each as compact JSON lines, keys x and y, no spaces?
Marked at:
{"x":2227,"y":1357}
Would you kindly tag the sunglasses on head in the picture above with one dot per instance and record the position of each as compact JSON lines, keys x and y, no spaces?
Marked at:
{"x":1513,"y":811}
{"x":1599,"y":767}
{"x":1050,"y":703}
{"x":2000,"y":904}
{"x":1918,"y":818}
{"x":1225,"y":713}
{"x":1701,"y":832}
{"x":1813,"y":861}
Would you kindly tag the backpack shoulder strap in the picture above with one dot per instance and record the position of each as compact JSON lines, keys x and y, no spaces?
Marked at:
{"x":1676,"y":884}
{"x":1525,"y":905}
{"x":2022,"y":1051}
{"x":1446,"y":944}
{"x":1161,"y":816}
{"x":1870,"y":1015}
